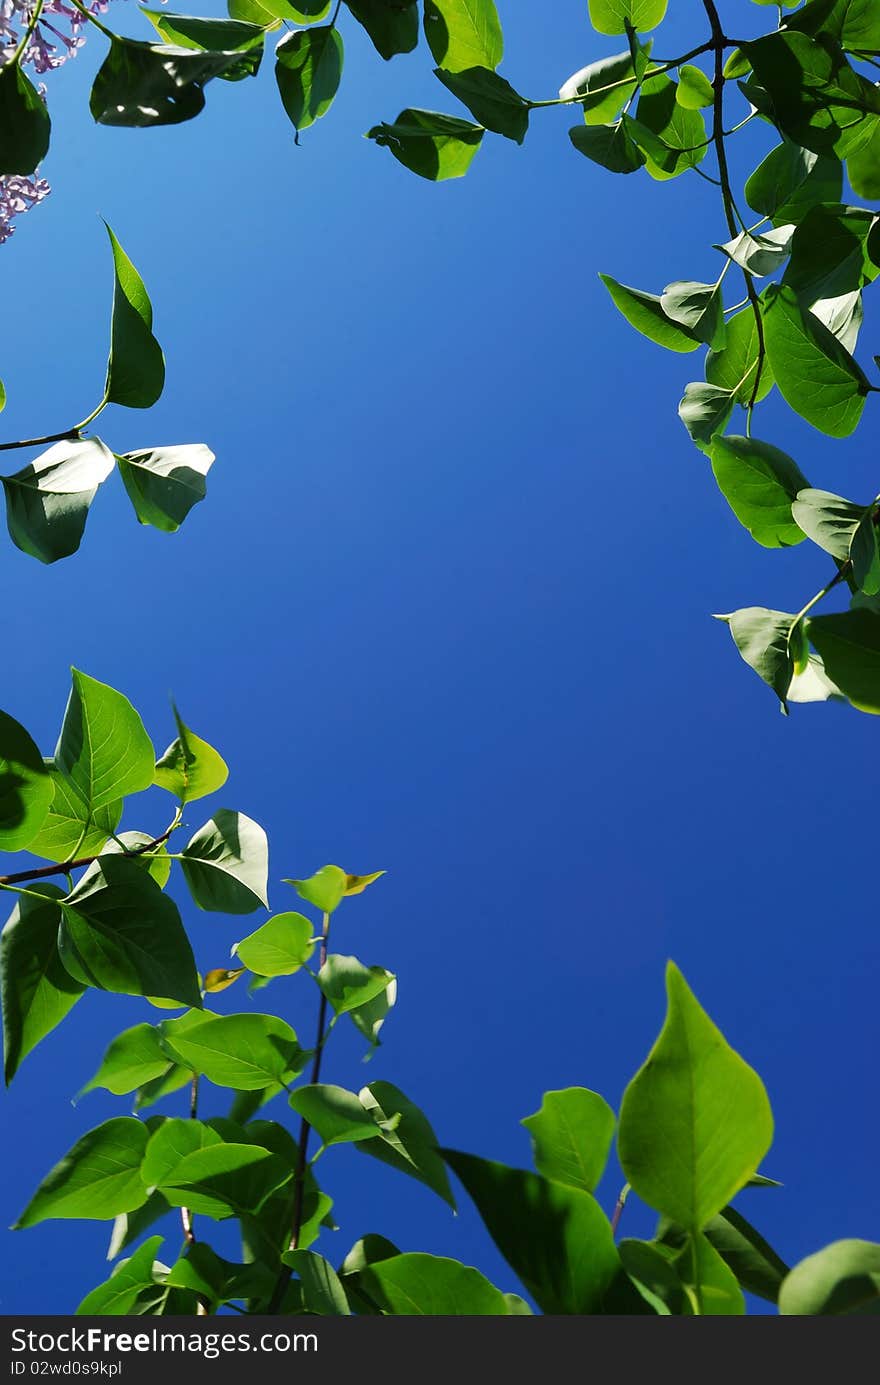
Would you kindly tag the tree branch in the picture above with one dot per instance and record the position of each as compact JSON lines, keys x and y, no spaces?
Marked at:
{"x":21,"y":877}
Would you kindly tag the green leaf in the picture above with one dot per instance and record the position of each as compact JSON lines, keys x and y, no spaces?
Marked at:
{"x":70,"y":827}
{"x":558,"y":1241}
{"x":645,"y":312}
{"x":611,"y":146}
{"x":215,"y":36}
{"x":699,"y":308}
{"x":157,"y":861}
{"x":464,"y":33}
{"x":735,"y":366}
{"x":791,"y":181}
{"x":322,"y":1291}
{"x":370,"y":1017}
{"x":26,"y":789}
{"x":226,"y":864}
{"x":816,"y":376}
{"x":431,"y":1285}
{"x":279,"y":948}
{"x":812,"y":684}
{"x":118,"y":1295}
{"x":190,"y":768}
{"x":695,"y":1121}
{"x":47,"y":501}
{"x":710,"y":1284}
{"x":843,"y":1278}
{"x":760,"y":252}
{"x":36,"y":991}
{"x":325,"y":889}
{"x":163,"y":483}
{"x":134,"y":1057}
{"x":216,"y":1280}
{"x":146,"y":84}
{"x":571,"y":1137}
{"x":121,"y":933}
{"x":347,"y":983}
{"x":490,"y":99}
{"x":308,"y":70}
{"x":818,"y":101}
{"x":98,"y":1178}
{"x":755,"y":1264}
{"x":654,"y":1275}
{"x":172,"y":1080}
{"x":224,"y":1179}
{"x":844,"y":530}
{"x":393,"y":25}
{"x":705,"y":411}
{"x":135,"y":366}
{"x":337,"y":1115}
{"x":433,"y":145}
{"x":171,"y":1141}
{"x":673,"y":138}
{"x":694,"y":88}
{"x":128,"y":1227}
{"x":763,"y":638}
{"x":849,"y":644}
{"x":407,"y":1141}
{"x":591,"y":82}
{"x":613,"y":16}
{"x":829,"y":253}
{"x":24,"y":122}
{"x":863,"y":165}
{"x":759,"y":483}
{"x":246,"y":1052}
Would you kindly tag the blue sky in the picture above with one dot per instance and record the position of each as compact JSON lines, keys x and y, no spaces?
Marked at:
{"x":446,"y":612}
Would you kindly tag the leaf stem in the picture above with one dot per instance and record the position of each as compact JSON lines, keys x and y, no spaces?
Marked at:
{"x":32,"y":24}
{"x":618,"y":1207}
{"x":69,"y":434}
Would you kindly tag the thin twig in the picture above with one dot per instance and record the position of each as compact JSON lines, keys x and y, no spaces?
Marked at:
{"x":41,"y":872}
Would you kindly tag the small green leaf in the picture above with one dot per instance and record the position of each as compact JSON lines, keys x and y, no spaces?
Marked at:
{"x":26,"y":788}
{"x":120,"y":933}
{"x":24,"y":122}
{"x":791,"y":181}
{"x":490,"y":99}
{"x":760,"y":484}
{"x":611,"y":146}
{"x":760,"y":252}
{"x":591,"y":84}
{"x":226,"y":864}
{"x":763,"y":638}
{"x":134,"y":1057}
{"x":163,"y":483}
{"x":844,"y":1279}
{"x":434,"y":145}
{"x":430,"y":1285}
{"x":322,"y":1291}
{"x":705,"y":412}
{"x":654,"y":1274}
{"x":156,"y":861}
{"x":464,"y":33}
{"x":336,"y":1114}
{"x":734,"y":366}
{"x":709,"y":1282}
{"x":849,"y":644}
{"x":98,"y":1178}
{"x":817,"y":377}
{"x":613,"y":16}
{"x":393,"y":25}
{"x":695,"y":1121}
{"x":36,"y":990}
{"x":214,"y":36}
{"x":673,"y":138}
{"x":246,"y":1052}
{"x":699,"y":308}
{"x":645,"y":312}
{"x":325,"y":889}
{"x":47,"y":501}
{"x":135,"y":366}
{"x":279,"y":948}
{"x":348,"y":984}
{"x":190,"y":768}
{"x":571,"y":1137}
{"x":844,"y":530}
{"x":694,"y":88}
{"x":308,"y":70}
{"x":118,"y":1295}
{"x":407,"y":1142}
{"x":370,"y":1017}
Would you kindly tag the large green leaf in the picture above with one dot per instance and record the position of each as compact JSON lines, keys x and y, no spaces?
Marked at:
{"x":610,"y":146}
{"x":308,"y":70}
{"x":791,"y":181}
{"x":844,"y":530}
{"x":171,"y":1141}
{"x":759,"y":483}
{"x":337,"y":1115}
{"x":103,"y":749}
{"x":766,"y":641}
{"x":26,"y":788}
{"x":146,"y":84}
{"x":490,"y":99}
{"x":695,"y":1121}
{"x":163,"y":483}
{"x":36,"y":991}
{"x":646,"y":313}
{"x":430,"y":1285}
{"x":756,"y":1265}
{"x":464,"y":33}
{"x":24,"y":122}
{"x":98,"y":1178}
{"x":70,"y":827}
{"x":849,"y":644}
{"x":829,"y":253}
{"x":590,"y":84}
{"x":818,"y":101}
{"x":224,"y":1179}
{"x":735,"y":365}
{"x":246,"y":1052}
{"x":121,"y":933}
{"x":816,"y":375}
{"x":407,"y":1141}
{"x":709,"y":1282}
{"x":47,"y":501}
{"x":612,"y":16}
{"x":843,"y":1278}
{"x":135,"y":365}
{"x":434,"y":145}
{"x":571,"y":1136}
{"x":283,"y":945}
{"x":557,"y":1239}
{"x":134,"y":1057}
{"x":215,"y":36}
{"x":393,"y":25}
{"x":226,"y":864}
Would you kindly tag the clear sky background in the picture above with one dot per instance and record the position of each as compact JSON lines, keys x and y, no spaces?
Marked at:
{"x":446,"y":611}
